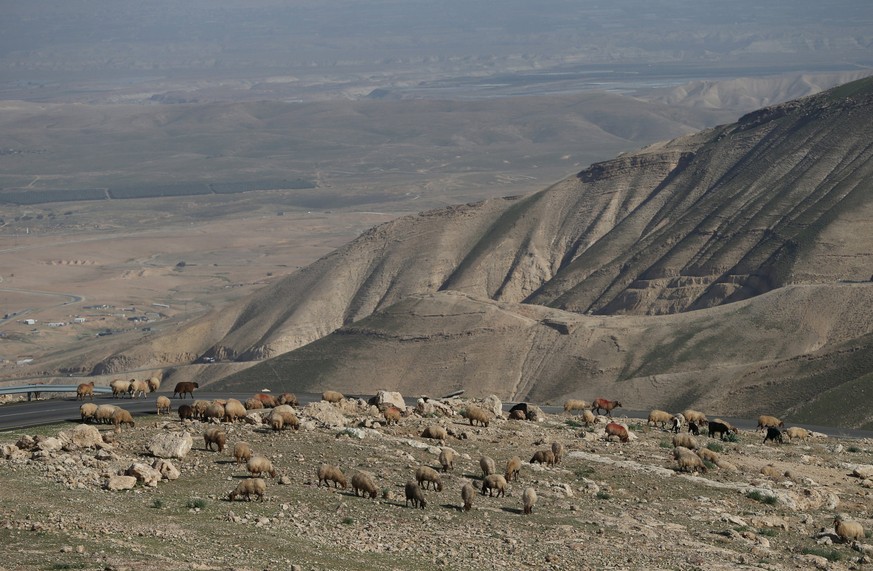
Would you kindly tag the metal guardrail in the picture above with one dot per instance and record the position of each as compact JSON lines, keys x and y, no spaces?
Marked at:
{"x":33,"y":391}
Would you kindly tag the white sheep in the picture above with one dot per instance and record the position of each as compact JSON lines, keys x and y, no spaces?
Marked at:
{"x":163,"y":405}
{"x":87,"y":411}
{"x":425,"y":476}
{"x":558,"y":451}
{"x":467,"y":493}
{"x":249,"y":486}
{"x":488,"y":466}
{"x":848,"y":530}
{"x":328,"y":473}
{"x":529,"y":498}
{"x":494,"y":482}
{"x":447,"y":459}
{"x":687,"y":460}
{"x":571,"y":405}
{"x":513,"y":468}
{"x":258,"y":465}
{"x":363,"y":482}
{"x":242,"y":452}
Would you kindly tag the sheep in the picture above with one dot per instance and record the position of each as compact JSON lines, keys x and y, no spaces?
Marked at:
{"x":214,"y":410}
{"x":200,"y":407}
{"x":363,"y":482}
{"x":475,"y":414}
{"x":685,"y":440}
{"x":119,"y":388}
{"x":154,"y":384}
{"x":85,"y":390}
{"x":772,"y":472}
{"x":87,"y":411}
{"x":215,"y":436}
{"x":604,"y":405}
{"x":163,"y":405}
{"x":282,"y":416}
{"x":797,"y":433}
{"x":494,"y":482}
{"x":766,"y":421}
{"x":517,"y":415}
{"x":467,"y":493}
{"x":258,"y":465}
{"x":247,"y":487}
{"x":693,"y":428}
{"x":121,"y":416}
{"x":720,"y":427}
{"x":332,"y":397}
{"x":234,"y":410}
{"x":694,"y":416}
{"x":571,"y":405}
{"x":488,"y":466}
{"x":435,"y":432}
{"x":186,"y":411}
{"x":392,"y":415}
{"x":848,"y":530}
{"x":254,"y":404}
{"x":707,"y":455}
{"x":677,"y":421}
{"x":615,"y":429}
{"x":661,"y":417}
{"x":328,"y":473}
{"x":528,"y":499}
{"x":558,"y":451}
{"x":185,"y":388}
{"x":415,"y":495}
{"x":773,"y":434}
{"x":546,"y":457}
{"x":513,"y":468}
{"x":268,"y":401}
{"x":289,"y":398}
{"x":138,"y":388}
{"x":688,"y":461}
{"x":447,"y":459}
{"x":426,"y":476}
{"x":242,"y":452}
{"x":588,"y":418}
{"x":103,"y":415}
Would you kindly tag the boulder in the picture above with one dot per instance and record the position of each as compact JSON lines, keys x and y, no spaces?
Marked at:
{"x":386,"y":398}
{"x":50,"y":444}
{"x":325,"y":414}
{"x":166,"y":469}
{"x":863,"y":471}
{"x":86,"y":436}
{"x":433,"y":408}
{"x":493,"y":405}
{"x":118,"y":483}
{"x":170,"y":444}
{"x":145,"y":474}
{"x":13,"y":452}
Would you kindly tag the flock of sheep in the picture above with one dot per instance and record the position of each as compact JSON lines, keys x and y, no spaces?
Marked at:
{"x":689,"y":453}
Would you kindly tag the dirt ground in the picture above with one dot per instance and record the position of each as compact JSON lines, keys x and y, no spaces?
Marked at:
{"x":607,"y":505}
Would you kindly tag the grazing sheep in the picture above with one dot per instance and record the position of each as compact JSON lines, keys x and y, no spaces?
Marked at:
{"x":200,"y":407}
{"x":720,"y":427}
{"x":488,"y":466}
{"x":677,"y":421}
{"x":546,"y":457}
{"x":247,"y":487}
{"x":215,"y":436}
{"x":513,"y":468}
{"x":707,"y":455}
{"x":528,"y":499}
{"x":693,"y":428}
{"x":163,"y":405}
{"x":772,"y":472}
{"x":447,"y":459}
{"x":848,"y":530}
{"x":517,"y":414}
{"x":234,"y":410}
{"x":686,"y":440}
{"x":694,"y":416}
{"x":392,"y":415}
{"x":773,"y":434}
{"x":332,"y":396}
{"x":242,"y":452}
{"x":415,"y":495}
{"x":119,"y":388}
{"x":615,"y":429}
{"x":661,"y":417}
{"x":103,"y":415}
{"x":85,"y":390}
{"x":186,"y":411}
{"x":765,"y":421}
{"x":797,"y":433}
{"x":154,"y":384}
{"x":329,"y":473}
{"x":87,"y":411}
{"x":254,"y":404}
{"x":276,"y":423}
{"x":268,"y":401}
{"x":214,"y":411}
{"x":475,"y":414}
{"x":289,"y":398}
{"x":588,"y":418}
{"x":467,"y":493}
{"x":121,"y":416}
{"x":687,"y":460}
{"x":604,"y":405}
{"x":185,"y":388}
{"x":138,"y":388}
{"x":282,"y":416}
{"x":435,"y":432}
{"x":571,"y":405}
{"x":363,"y":482}
{"x":258,"y":465}
{"x":494,"y":482}
{"x":426,"y":476}
{"x":558,"y":451}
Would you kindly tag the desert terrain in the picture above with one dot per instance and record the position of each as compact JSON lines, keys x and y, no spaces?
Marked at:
{"x":606,"y":505}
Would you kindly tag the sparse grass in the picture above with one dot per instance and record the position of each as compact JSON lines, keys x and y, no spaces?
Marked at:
{"x":158,"y":503}
{"x":768,"y":531}
{"x":664,"y":443}
{"x":760,"y":496}
{"x":603,"y":495}
{"x":732,"y":437}
{"x":715,"y":446}
{"x":709,"y":465}
{"x":853,"y":449}
{"x":831,"y":555}
{"x":196,"y":503}
{"x":583,"y":471}
{"x":574,"y":423}
{"x":348,"y":520}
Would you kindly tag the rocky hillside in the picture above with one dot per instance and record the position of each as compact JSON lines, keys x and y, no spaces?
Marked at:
{"x":780,"y":198}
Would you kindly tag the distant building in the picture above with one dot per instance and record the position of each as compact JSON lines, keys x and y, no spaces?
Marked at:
{"x":79,"y":320}
{"x":56,"y":324}
{"x":30,"y":321}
